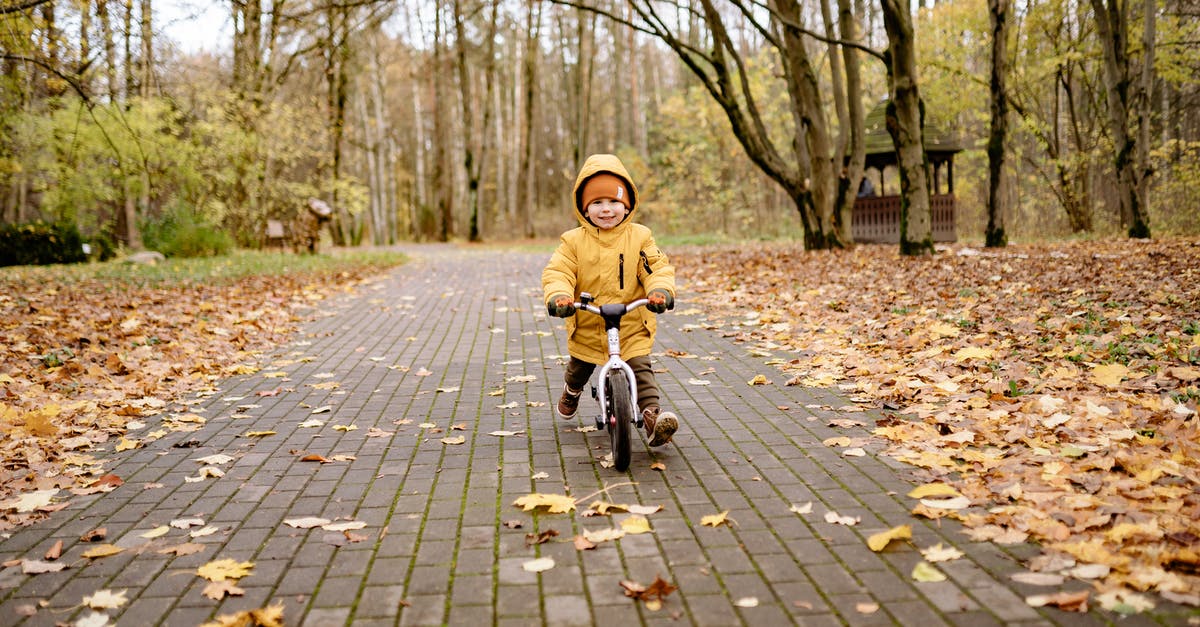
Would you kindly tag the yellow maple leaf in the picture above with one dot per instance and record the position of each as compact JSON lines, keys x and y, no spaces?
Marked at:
{"x":635,"y":525}
{"x":126,"y":444}
{"x":105,"y":599}
{"x":879,"y":541}
{"x":222,"y":569}
{"x":104,"y":550}
{"x":257,"y":434}
{"x":715,"y":520}
{"x":943,"y":329}
{"x":933,"y":490}
{"x":554,"y":503}
{"x":1109,"y":375}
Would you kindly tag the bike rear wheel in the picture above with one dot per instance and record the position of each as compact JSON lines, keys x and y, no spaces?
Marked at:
{"x":621,"y":412}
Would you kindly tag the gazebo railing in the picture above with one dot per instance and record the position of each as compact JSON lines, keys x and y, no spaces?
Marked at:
{"x":877,"y":219}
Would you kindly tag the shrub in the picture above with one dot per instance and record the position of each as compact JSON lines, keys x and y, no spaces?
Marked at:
{"x":39,"y":243}
{"x":181,"y":233}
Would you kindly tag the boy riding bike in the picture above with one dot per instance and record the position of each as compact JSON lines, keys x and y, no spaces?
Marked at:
{"x":617,"y":261}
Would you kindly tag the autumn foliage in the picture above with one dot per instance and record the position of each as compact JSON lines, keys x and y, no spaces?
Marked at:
{"x":80,"y":360}
{"x":1054,"y":386}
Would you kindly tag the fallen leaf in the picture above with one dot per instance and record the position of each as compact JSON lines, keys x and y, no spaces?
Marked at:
{"x":606,"y":534}
{"x":934,"y":490}
{"x":925,"y":572}
{"x":156,"y":532}
{"x":715,"y":520}
{"x":1038,"y":579}
{"x":635,"y":524}
{"x":271,"y":616}
{"x":866,"y":608}
{"x":29,"y":501}
{"x":582,"y":543}
{"x":759,"y":380}
{"x":54,"y":552}
{"x":217,"y":590}
{"x":455,"y":440}
{"x":257,"y":434}
{"x":879,"y":541}
{"x":307,"y":522}
{"x":538,"y":565}
{"x":1109,"y":375}
{"x":1065,"y":601}
{"x":939,"y":553}
{"x":746,"y":602}
{"x":345,"y":428}
{"x":351,"y":525}
{"x":105,"y":599}
{"x":540,"y":538}
{"x":37,"y":567}
{"x":554,"y":503}
{"x":838,"y":519}
{"x":222,"y":569}
{"x":103,"y":550}
{"x":659,"y":466}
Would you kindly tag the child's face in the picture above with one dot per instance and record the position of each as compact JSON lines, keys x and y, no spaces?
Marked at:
{"x":606,"y":213}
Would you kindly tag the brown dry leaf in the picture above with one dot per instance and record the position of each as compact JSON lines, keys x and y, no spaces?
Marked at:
{"x":1065,"y":601}
{"x":54,"y":552}
{"x":540,"y":538}
{"x":655,"y":593}
{"x":583,"y":544}
{"x":270,"y":616}
{"x":217,"y":590}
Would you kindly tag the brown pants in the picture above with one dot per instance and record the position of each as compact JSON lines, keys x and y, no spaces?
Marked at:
{"x":579,"y":372}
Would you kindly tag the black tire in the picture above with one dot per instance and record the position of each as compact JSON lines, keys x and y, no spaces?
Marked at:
{"x":620,"y":407}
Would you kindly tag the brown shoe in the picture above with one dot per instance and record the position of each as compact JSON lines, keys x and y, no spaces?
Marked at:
{"x":659,"y":427}
{"x":568,"y":403}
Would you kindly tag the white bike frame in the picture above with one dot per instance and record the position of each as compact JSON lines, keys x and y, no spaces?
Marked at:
{"x":612,"y":315}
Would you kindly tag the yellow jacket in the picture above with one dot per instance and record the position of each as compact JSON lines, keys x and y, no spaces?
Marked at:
{"x":619,"y":265}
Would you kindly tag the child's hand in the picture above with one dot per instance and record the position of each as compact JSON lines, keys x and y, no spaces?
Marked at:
{"x":660,"y":301}
{"x":560,"y":306}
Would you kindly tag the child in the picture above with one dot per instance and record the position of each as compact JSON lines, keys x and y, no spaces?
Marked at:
{"x":616,"y":261}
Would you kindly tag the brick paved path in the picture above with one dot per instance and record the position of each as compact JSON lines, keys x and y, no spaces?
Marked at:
{"x":446,"y":340}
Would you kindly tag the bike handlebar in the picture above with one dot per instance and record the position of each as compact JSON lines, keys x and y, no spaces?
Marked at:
{"x":641,"y":302}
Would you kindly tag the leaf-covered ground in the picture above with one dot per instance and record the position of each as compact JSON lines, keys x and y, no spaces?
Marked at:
{"x":84,"y":360}
{"x":1053,"y":386}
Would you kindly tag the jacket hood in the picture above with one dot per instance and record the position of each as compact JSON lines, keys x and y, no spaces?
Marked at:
{"x":594,"y":165}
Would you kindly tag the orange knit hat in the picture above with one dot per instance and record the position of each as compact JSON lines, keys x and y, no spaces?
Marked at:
{"x":605,"y":185}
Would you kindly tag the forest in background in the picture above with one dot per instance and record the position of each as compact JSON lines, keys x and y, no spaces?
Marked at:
{"x":468,"y":119}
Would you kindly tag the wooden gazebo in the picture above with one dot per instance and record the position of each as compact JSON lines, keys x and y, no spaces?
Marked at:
{"x":876,"y":215}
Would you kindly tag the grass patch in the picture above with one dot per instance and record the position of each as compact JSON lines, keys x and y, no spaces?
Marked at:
{"x":219,"y":269}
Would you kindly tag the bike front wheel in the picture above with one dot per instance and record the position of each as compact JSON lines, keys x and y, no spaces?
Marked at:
{"x":620,"y":419}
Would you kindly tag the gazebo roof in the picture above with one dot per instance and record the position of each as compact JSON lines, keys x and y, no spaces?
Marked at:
{"x":939,"y":141}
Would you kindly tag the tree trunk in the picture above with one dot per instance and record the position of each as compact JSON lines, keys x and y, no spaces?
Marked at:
{"x":905,"y":118}
{"x":996,"y":207}
{"x":85,"y":46}
{"x":110,"y":50}
{"x":855,"y":122}
{"x":525,"y":173}
{"x":441,"y":174}
{"x":146,"y":63}
{"x":1123,"y":97}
